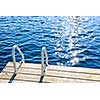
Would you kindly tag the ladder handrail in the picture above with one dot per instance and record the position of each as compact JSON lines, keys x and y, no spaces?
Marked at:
{"x":14,"y":58}
{"x":43,"y":66}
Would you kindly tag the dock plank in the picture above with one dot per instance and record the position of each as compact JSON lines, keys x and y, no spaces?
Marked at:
{"x":64,"y":80}
{"x":74,"y":69}
{"x":23,"y":70}
{"x":73,"y":75}
{"x":3,"y":81}
{"x":59,"y":68}
{"x":54,"y":74}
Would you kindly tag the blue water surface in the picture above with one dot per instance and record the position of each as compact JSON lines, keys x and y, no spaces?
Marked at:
{"x":70,"y":40}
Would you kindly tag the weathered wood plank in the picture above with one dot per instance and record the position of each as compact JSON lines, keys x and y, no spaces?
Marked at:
{"x":23,"y":77}
{"x":15,"y":81}
{"x":64,"y":80}
{"x":24,"y":74}
{"x":21,"y":81}
{"x":3,"y":81}
{"x":77,"y":75}
{"x":23,"y":70}
{"x":26,"y":77}
{"x":74,"y":69}
{"x":60,"y":68}
{"x":6,"y":75}
{"x":56,"y":74}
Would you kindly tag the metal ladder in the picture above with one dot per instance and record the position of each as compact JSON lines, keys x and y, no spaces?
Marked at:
{"x":17,"y":66}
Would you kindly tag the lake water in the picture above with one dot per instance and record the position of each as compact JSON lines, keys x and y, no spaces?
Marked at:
{"x":70,"y":41}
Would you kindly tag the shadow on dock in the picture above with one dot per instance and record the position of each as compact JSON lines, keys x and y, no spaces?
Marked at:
{"x":41,"y":79}
{"x":12,"y":78}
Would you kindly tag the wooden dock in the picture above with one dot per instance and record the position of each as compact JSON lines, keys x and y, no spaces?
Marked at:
{"x":55,"y":74}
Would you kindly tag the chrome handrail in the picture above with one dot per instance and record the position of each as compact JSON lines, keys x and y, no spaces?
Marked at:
{"x":16,"y":67}
{"x":43,"y":66}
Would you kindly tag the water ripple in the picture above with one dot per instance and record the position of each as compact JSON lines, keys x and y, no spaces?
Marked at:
{"x":70,"y":40}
